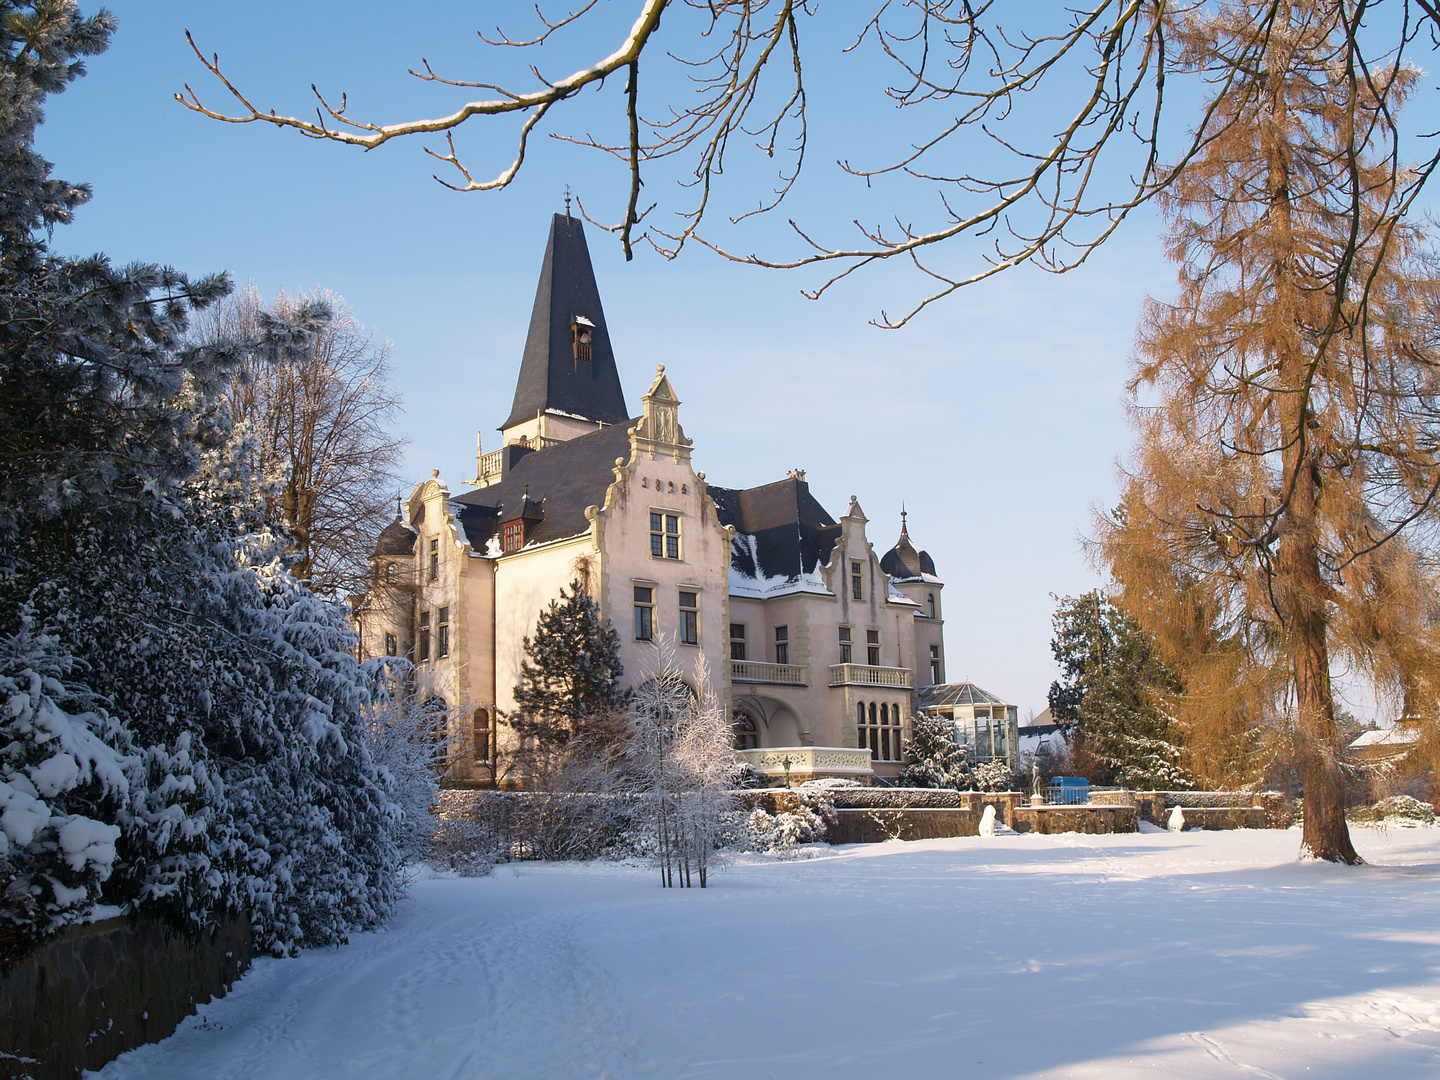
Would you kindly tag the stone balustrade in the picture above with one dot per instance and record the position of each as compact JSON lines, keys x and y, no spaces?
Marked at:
{"x":866,"y":675}
{"x":756,"y":671}
{"x":808,"y":763}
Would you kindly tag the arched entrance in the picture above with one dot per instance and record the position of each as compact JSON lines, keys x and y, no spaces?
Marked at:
{"x":772,"y":722}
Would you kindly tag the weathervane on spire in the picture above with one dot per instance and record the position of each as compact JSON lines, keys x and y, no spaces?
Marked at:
{"x":567,"y":202}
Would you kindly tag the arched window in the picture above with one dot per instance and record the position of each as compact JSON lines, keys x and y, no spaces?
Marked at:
{"x":930,"y":603}
{"x":885,"y":733}
{"x":861,"y":734}
{"x":482,"y":734}
{"x":747,"y":736}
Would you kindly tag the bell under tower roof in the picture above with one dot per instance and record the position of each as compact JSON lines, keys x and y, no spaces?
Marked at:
{"x":568,"y":365}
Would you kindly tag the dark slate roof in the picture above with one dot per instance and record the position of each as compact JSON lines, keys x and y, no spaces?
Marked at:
{"x":957,"y":693}
{"x":397,"y":538}
{"x":550,"y":376}
{"x":563,"y":480}
{"x":904,"y":562}
{"x":792,"y":531}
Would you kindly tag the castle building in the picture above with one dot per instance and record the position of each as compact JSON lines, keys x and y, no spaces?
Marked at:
{"x":819,"y":646}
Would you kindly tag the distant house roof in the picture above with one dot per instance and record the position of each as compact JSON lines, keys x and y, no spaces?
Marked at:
{"x":792,"y":533}
{"x":1395,"y":737}
{"x":559,"y":482}
{"x":905,"y":562}
{"x":551,"y":378}
{"x":944,"y":695}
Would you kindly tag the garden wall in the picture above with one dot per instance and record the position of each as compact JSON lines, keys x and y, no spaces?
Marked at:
{"x":109,"y":987}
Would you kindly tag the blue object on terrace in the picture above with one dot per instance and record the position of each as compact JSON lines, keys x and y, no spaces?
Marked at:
{"x":1069,"y":790}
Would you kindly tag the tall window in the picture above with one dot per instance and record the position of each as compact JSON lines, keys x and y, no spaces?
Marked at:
{"x":689,"y":618}
{"x":857,"y":581}
{"x":737,"y":641}
{"x":392,"y":574}
{"x":442,"y":634}
{"x":644,"y":613}
{"x":514,"y":538}
{"x":435,"y":559}
{"x":747,"y":737}
{"x":935,"y":665}
{"x":482,"y":734}
{"x":664,"y":535}
{"x":872,"y":647}
{"x":846,"y":649}
{"x":422,"y":644}
{"x":930,"y":604}
{"x":782,"y":645}
{"x":392,"y":647}
{"x":878,"y":730}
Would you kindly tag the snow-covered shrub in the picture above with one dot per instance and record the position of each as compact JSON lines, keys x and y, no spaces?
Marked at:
{"x":63,"y":779}
{"x":464,"y":846}
{"x":799,"y":817}
{"x":1404,"y":810}
{"x":993,"y":775}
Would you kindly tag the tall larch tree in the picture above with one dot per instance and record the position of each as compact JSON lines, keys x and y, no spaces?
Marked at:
{"x":1279,"y":509}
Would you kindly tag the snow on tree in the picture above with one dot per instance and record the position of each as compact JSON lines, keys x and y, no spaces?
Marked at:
{"x":685,"y":765}
{"x":216,"y":758}
{"x":933,"y":758}
{"x":64,"y":774}
{"x":569,"y":702}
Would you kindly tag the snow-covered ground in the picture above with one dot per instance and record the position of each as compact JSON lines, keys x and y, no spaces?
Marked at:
{"x":1152,"y":955}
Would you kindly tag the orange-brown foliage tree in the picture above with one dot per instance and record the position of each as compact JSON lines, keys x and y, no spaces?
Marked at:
{"x":1278,"y":517}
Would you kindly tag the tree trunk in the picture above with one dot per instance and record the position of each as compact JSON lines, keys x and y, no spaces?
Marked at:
{"x":1299,"y":587}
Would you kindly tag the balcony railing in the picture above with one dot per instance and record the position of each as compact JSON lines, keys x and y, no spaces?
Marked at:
{"x":493,"y":463}
{"x":753,"y":671}
{"x":865,"y":675}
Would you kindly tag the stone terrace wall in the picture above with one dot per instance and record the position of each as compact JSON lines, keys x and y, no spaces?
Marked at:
{"x":876,"y":826}
{"x":107,"y":988}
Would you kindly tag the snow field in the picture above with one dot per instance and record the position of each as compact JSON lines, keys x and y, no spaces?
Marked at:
{"x":1145,"y":955}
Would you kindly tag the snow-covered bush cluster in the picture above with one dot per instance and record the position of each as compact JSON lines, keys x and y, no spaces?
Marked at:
{"x":1403,"y":810}
{"x":183,"y":722}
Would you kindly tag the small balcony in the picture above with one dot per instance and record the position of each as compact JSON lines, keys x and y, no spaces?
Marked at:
{"x":753,"y":671}
{"x":866,"y":675}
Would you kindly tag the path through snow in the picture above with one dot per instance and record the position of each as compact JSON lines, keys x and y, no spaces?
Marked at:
{"x":1152,"y":955}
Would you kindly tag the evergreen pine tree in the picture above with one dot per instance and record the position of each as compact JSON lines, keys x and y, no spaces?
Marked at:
{"x":569,"y":700}
{"x":1112,"y":695}
{"x":933,"y":759}
{"x":185,"y":721}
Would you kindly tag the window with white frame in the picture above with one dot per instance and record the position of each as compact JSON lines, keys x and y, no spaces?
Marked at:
{"x":664,"y":535}
{"x":847,"y":648}
{"x":689,"y":617}
{"x":872,"y":647}
{"x":782,"y":644}
{"x":442,"y":634}
{"x":435,"y":559}
{"x":857,"y":580}
{"x":644,"y":613}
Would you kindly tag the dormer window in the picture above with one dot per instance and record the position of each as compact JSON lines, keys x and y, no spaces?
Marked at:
{"x":584,"y":331}
{"x":514,"y":536}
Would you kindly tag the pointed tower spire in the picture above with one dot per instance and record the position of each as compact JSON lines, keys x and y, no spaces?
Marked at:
{"x":568,"y":366}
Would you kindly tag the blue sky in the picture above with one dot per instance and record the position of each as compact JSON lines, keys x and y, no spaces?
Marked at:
{"x":996,"y":417}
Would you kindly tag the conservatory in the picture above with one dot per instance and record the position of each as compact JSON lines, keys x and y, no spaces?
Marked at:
{"x":985,"y":725}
